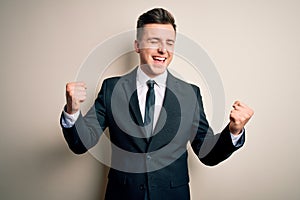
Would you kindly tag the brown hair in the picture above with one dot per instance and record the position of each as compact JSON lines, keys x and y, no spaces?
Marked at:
{"x":155,"y":16}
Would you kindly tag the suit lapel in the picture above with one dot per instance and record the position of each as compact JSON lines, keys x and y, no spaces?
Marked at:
{"x":169,"y":118}
{"x":129,"y":85}
{"x":171,"y":87}
{"x":134,"y":109}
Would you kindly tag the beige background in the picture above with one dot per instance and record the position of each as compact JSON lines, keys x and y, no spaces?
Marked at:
{"x":254,"y":44}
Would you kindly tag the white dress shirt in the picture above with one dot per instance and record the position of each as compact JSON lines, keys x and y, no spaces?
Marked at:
{"x":142,"y":88}
{"x":159,"y":90}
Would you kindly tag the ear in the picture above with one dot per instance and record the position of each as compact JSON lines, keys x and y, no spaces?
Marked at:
{"x":137,"y":46}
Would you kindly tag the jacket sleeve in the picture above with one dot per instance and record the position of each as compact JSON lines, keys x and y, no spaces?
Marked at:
{"x":211,"y":148}
{"x":86,"y":131}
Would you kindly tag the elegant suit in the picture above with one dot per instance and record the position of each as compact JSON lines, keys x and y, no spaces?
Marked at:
{"x":156,"y":165}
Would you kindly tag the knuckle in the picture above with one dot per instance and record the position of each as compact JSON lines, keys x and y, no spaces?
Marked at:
{"x":69,"y":87}
{"x":237,"y":122}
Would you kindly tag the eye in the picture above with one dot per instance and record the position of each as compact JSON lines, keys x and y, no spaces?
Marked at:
{"x":153,"y":41}
{"x":170,"y":43}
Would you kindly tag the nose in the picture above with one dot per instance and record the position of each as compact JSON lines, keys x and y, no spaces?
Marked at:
{"x":162,"y":48}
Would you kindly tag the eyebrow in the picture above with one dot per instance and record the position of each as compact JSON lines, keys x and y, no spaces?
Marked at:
{"x":170,"y":40}
{"x":156,"y":38}
{"x":153,"y":38}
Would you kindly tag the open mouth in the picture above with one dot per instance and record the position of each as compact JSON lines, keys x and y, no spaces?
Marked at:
{"x":159,"y":59}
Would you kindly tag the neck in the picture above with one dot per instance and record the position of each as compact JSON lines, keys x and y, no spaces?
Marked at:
{"x":149,"y":74}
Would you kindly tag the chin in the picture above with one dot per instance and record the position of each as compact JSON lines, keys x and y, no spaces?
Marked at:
{"x":158,"y":69}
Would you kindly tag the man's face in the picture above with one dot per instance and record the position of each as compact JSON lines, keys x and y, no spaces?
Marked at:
{"x":156,"y":47}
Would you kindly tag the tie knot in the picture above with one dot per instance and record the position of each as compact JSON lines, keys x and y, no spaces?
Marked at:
{"x":150,"y":83}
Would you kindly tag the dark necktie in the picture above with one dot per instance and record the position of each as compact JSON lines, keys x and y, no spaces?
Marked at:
{"x":149,"y":110}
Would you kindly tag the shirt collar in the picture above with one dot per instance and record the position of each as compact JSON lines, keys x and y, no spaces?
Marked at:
{"x":142,"y":78}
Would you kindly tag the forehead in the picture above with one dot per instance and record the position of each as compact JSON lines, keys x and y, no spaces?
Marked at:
{"x":163,"y":31}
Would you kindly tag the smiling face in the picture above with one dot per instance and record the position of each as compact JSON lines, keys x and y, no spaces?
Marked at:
{"x":155,"y":46}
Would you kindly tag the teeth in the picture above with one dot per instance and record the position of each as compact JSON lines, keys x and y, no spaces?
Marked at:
{"x":159,"y":58}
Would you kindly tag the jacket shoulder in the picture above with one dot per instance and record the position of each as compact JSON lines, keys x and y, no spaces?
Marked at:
{"x":111,"y":80}
{"x":184,"y":84}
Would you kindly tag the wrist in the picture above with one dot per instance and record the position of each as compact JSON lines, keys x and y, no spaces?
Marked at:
{"x":69,"y":110}
{"x":235,"y":131}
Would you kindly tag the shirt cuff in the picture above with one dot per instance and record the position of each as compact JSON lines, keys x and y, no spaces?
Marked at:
{"x":68,"y":120}
{"x":235,"y":138}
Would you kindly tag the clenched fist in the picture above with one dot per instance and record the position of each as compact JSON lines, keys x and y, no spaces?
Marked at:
{"x":239,"y":116}
{"x":75,"y":94}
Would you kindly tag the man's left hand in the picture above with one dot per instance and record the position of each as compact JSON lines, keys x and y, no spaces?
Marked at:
{"x":239,"y":117}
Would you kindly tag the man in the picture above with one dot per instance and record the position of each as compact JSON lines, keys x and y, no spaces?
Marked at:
{"x":151,"y":116}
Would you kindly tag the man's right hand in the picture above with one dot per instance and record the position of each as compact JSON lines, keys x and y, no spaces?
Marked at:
{"x":75,"y":94}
